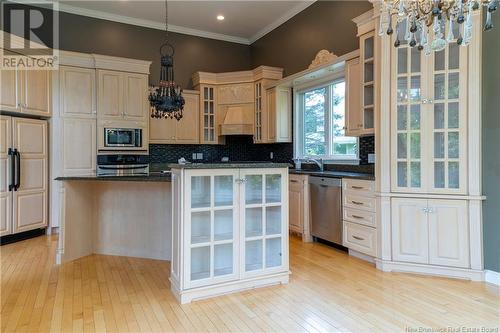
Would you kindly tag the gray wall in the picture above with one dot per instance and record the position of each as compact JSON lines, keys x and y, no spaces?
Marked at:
{"x":491,"y":146}
{"x":323,"y":25}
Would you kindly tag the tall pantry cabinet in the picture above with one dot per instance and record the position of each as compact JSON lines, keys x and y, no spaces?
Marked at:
{"x":428,"y":167}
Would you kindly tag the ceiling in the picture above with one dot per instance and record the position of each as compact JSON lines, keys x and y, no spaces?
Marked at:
{"x":245,"y":21}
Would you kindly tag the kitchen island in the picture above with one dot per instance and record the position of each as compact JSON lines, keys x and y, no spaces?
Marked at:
{"x":223,"y":226}
{"x":230,"y":228}
{"x":126,"y":216}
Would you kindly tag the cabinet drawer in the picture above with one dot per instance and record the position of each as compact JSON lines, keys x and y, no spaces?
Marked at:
{"x":359,"y":216}
{"x":357,"y":186}
{"x":358,"y":201}
{"x":360,"y":238}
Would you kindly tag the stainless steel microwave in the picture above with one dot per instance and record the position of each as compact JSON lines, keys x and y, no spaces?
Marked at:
{"x":122,"y":137}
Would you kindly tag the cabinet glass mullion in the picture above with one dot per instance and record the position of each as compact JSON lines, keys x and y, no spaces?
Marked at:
{"x":446,"y":118}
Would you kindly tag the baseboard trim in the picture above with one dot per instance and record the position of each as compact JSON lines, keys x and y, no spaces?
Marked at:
{"x":195,"y":294}
{"x":451,"y":272}
{"x":8,"y":239}
{"x":492,"y":277}
{"x":361,"y":256}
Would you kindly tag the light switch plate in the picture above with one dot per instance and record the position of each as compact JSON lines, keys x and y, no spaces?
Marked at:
{"x":199,"y":156}
{"x":194,"y":156}
{"x":371,"y":158}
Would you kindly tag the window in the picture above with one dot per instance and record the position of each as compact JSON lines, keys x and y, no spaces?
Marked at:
{"x":320,"y":124}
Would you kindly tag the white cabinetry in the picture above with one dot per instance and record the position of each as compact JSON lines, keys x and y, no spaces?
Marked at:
{"x":231,"y":228}
{"x":26,"y":91}
{"x":430,"y":231}
{"x":299,"y":206}
{"x":24,"y":176}
{"x":78,"y":120}
{"x":359,"y":217}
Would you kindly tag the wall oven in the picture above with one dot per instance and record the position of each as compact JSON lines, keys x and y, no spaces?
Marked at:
{"x":122,"y":165}
{"x":122,"y":137}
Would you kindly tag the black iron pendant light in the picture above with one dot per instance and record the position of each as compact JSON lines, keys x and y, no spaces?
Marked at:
{"x":166,"y":100}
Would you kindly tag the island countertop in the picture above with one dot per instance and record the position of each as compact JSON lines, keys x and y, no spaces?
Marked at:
{"x":152,"y":177}
{"x":229,"y":165}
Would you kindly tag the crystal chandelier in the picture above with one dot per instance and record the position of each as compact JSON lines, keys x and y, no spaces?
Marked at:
{"x":419,"y":17}
{"x":166,"y":100}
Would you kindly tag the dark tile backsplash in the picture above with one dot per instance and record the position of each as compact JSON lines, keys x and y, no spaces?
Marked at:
{"x":242,"y":148}
{"x":237,"y":148}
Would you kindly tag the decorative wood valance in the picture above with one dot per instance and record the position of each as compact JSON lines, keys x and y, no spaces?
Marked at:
{"x":322,"y":57}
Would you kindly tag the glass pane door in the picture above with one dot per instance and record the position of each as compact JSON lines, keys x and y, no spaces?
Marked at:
{"x":263,"y":221}
{"x":208,"y":108}
{"x":213,"y":226}
{"x":258,"y":112}
{"x":368,"y":92}
{"x":408,"y":148}
{"x":447,"y":108}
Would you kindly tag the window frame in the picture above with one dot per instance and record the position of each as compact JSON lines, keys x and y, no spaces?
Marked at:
{"x":299,"y":127}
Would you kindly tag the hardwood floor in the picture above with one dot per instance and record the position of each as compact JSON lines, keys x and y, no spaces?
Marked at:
{"x":329,"y":291}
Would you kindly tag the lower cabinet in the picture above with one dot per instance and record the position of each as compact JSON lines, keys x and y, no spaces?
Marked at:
{"x":231,"y":226}
{"x":79,"y":147}
{"x":430,"y":231}
{"x":299,"y":206}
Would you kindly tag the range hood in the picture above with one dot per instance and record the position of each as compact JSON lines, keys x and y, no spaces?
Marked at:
{"x":238,"y":120}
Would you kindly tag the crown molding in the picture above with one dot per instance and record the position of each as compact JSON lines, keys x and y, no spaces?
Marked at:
{"x":288,"y":15}
{"x":64,"y":7}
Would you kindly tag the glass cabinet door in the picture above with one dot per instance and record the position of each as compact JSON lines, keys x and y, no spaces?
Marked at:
{"x":264,"y":221}
{"x":367,"y":77}
{"x":407,"y":126}
{"x":212,"y":226}
{"x":258,"y":112}
{"x":447,"y":107}
{"x":208,"y":110}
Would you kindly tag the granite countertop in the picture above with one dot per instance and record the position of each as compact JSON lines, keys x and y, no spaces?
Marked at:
{"x":334,"y":174}
{"x":230,"y":165}
{"x":153,"y":177}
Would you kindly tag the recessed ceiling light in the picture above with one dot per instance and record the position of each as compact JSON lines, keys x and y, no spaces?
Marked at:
{"x":220,"y":17}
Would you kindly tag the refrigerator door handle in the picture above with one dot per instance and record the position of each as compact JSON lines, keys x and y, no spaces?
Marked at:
{"x":18,"y":170}
{"x":12,"y":158}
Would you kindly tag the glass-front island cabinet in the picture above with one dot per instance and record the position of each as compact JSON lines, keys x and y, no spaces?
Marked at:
{"x":229,"y":228}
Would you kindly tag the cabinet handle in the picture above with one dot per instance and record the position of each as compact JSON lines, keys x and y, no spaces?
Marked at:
{"x":357,"y":216}
{"x":358,"y":238}
{"x":357,"y":187}
{"x":425,"y":210}
{"x":94,"y":112}
{"x":430,"y":210}
{"x":293,"y":181}
{"x":357,"y":203}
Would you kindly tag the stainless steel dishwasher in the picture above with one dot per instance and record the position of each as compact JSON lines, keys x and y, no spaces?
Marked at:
{"x":326,"y":208}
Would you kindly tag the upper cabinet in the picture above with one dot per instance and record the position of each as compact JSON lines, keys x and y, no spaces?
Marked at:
{"x":279,"y":114}
{"x":26,"y":91}
{"x":77,"y":92}
{"x":184,"y":131}
{"x":354,"y":114}
{"x":237,"y":103}
{"x":429,"y":108}
{"x":122,"y":95}
{"x":360,"y":76}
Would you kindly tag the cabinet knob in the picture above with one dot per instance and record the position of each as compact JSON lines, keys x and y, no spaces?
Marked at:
{"x":425,"y":210}
{"x":427,"y":101}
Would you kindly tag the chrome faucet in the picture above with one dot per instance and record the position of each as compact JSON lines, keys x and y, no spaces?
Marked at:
{"x":319,"y":163}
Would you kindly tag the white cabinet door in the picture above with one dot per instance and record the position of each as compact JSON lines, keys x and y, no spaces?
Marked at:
{"x":77,"y":88}
{"x":9,"y":92}
{"x":296,"y":205}
{"x":354,"y":116}
{"x":410,"y":234}
{"x":211,"y":227}
{"x":5,"y":175}
{"x":264,"y":221}
{"x":79,"y":146}
{"x":30,"y":200}
{"x":448,"y":233}
{"x":135,"y":105}
{"x":109,"y":94}
{"x":36,"y":92}
{"x":187,"y":129}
